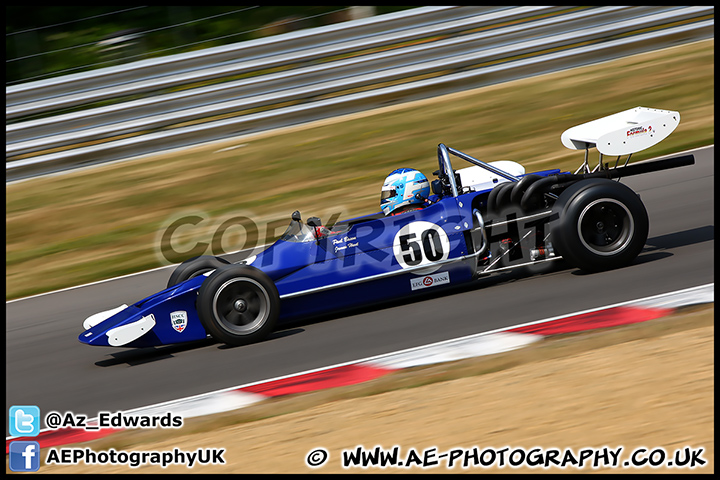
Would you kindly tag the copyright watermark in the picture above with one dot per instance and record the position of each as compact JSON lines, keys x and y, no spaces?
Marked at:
{"x":192,"y":234}
{"x":420,"y":240}
{"x":197,"y":233}
{"x":317,"y":458}
{"x":686,"y":458}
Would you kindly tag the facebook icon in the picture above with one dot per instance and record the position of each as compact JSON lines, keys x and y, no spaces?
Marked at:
{"x":24,"y":456}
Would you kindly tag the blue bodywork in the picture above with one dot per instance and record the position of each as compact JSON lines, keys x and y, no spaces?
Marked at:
{"x":362,"y":261}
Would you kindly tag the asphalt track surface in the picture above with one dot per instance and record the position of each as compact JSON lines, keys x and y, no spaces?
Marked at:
{"x":47,"y":366}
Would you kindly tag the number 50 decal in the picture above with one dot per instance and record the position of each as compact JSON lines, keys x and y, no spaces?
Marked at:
{"x":421,"y":243}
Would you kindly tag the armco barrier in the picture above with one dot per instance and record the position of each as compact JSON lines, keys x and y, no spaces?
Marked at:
{"x":389,"y":59}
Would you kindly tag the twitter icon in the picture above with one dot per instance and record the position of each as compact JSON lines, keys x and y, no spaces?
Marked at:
{"x":24,"y":421}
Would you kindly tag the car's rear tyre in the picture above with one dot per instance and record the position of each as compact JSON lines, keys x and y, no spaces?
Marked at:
{"x":238,"y":305}
{"x":602,"y":225}
{"x":193,"y":267}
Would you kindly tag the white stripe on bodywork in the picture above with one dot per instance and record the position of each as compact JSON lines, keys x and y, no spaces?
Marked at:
{"x":125,"y":334}
{"x":100,"y":317}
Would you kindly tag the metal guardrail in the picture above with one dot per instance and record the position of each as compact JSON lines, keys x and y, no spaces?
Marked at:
{"x":244,"y":57}
{"x":307,"y":75}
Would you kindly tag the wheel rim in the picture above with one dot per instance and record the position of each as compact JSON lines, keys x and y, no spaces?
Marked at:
{"x":240,"y":306}
{"x":605,"y":226}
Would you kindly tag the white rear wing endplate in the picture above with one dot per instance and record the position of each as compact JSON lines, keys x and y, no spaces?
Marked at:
{"x":623,"y":133}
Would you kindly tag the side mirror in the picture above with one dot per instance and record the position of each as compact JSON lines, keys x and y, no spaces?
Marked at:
{"x":436,"y":186}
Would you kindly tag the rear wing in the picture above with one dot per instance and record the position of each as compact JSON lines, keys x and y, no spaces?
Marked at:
{"x":623,"y":133}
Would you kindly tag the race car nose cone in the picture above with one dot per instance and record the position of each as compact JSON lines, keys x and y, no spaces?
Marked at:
{"x":94,"y":338}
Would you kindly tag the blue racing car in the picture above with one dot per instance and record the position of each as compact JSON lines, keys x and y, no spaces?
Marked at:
{"x":466,"y":223}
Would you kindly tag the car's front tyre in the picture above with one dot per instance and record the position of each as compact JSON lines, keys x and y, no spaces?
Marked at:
{"x":193,"y":267}
{"x":238,"y":305}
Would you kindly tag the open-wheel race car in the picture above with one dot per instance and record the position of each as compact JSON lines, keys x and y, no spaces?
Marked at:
{"x":474,"y":221}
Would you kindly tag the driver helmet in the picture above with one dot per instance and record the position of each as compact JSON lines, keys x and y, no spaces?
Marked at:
{"x":400,"y":189}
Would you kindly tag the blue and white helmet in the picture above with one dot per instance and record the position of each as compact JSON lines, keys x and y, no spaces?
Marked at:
{"x":400,"y":188}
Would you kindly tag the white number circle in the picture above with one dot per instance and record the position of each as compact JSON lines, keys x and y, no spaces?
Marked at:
{"x":421,"y":243}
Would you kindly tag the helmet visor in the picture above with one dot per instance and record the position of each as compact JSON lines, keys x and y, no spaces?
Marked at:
{"x":387,"y":192}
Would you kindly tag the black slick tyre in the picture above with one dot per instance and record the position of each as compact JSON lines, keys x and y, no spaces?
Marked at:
{"x":238,"y":305}
{"x":602,"y":225}
{"x":193,"y":267}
